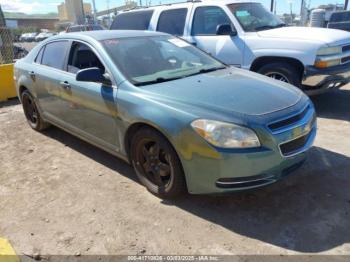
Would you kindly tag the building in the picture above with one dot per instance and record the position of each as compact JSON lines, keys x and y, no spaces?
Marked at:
{"x":73,"y":11}
{"x":37,"y":22}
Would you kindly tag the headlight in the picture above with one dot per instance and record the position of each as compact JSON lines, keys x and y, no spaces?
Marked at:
{"x":328,"y":56}
{"x":225,"y":135}
{"x":330,"y":50}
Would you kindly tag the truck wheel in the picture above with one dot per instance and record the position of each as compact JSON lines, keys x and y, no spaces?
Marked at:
{"x":157,"y":164}
{"x":32,"y":113}
{"x":283,"y":72}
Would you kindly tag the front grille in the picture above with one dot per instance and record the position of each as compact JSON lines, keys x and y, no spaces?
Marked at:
{"x":345,"y":59}
{"x":288,"y":121}
{"x":346,"y":48}
{"x":293,"y":146}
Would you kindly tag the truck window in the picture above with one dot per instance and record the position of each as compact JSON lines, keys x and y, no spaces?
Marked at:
{"x":133,"y":20}
{"x":254,"y":17}
{"x":172,"y":21}
{"x":207,"y":18}
{"x":340,"y":17}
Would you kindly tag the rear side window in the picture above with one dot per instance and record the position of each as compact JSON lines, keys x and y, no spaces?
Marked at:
{"x":133,"y":20}
{"x":207,"y":18}
{"x":39,"y":57}
{"x":172,"y":21}
{"x":55,"y":54}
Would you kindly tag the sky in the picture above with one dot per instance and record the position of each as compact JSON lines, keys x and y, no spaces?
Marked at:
{"x":46,"y":6}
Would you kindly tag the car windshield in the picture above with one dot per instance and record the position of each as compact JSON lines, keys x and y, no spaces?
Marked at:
{"x":149,"y":60}
{"x":255,"y":17}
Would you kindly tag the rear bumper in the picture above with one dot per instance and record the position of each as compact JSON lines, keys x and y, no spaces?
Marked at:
{"x":319,"y":80}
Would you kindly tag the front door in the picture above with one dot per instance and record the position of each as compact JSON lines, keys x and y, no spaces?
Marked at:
{"x":228,"y":49}
{"x":89,"y":108}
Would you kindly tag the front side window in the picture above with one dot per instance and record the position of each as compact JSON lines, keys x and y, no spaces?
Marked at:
{"x":133,"y":21}
{"x":54,"y":54}
{"x":148,"y":60}
{"x":206,"y":19}
{"x":172,"y":21}
{"x":254,"y":17}
{"x":81,"y":57}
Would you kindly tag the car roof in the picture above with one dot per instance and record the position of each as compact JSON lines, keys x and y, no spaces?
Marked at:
{"x":109,"y":34}
{"x":198,"y":2}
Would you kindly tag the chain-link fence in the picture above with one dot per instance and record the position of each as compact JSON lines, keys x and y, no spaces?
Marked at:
{"x":6,"y":46}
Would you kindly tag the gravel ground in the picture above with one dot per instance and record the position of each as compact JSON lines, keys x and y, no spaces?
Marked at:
{"x":60,"y":195}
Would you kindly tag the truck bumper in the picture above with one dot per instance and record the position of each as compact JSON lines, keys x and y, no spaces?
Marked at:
{"x":317,"y":80}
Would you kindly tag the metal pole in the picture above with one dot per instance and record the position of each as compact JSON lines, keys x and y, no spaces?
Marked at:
{"x":95,"y":11}
{"x":272,"y":5}
{"x":346,"y":5}
{"x":302,"y":7}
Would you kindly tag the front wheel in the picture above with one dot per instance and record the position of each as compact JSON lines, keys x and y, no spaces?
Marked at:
{"x":157,"y":164}
{"x":283,"y":72}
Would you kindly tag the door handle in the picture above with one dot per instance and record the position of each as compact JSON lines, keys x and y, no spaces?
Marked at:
{"x":65,"y":85}
{"x":32,"y":75}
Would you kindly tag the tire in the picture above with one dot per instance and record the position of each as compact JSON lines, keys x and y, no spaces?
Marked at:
{"x":282,"y":71}
{"x":156,"y":164}
{"x":32,"y":113}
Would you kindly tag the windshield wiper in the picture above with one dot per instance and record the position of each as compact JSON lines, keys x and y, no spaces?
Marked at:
{"x":155,"y":81}
{"x":207,"y":70}
{"x":162,"y":79}
{"x":266,"y":27}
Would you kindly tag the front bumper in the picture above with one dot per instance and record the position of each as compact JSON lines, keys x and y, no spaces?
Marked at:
{"x":318,"y":80}
{"x":215,"y":170}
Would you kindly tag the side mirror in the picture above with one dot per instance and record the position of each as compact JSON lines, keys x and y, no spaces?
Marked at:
{"x":225,"y":29}
{"x":93,"y":74}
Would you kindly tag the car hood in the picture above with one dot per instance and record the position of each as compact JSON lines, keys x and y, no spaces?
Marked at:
{"x":230,"y":90}
{"x":323,"y":35}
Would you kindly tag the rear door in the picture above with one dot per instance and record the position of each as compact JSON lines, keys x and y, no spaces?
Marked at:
{"x":89,"y":108}
{"x":47,"y":76}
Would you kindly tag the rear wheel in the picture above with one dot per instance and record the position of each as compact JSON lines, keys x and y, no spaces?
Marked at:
{"x":157,"y":164}
{"x":32,"y":113}
{"x":283,"y":72}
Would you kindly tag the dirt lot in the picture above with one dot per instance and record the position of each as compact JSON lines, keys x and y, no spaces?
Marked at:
{"x":59,"y":195}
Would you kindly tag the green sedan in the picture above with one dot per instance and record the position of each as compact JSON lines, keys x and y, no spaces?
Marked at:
{"x":184,"y":120}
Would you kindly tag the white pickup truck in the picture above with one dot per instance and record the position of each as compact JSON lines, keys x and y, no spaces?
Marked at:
{"x":245,"y":34}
